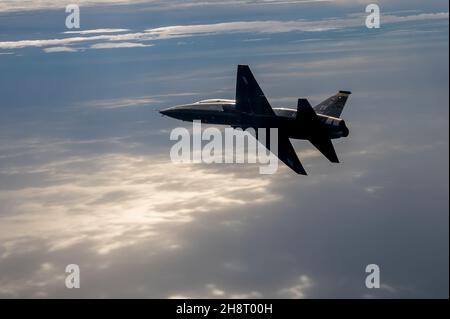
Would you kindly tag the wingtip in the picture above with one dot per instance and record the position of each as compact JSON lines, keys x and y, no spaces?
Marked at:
{"x":334,"y":159}
{"x":241,"y":66}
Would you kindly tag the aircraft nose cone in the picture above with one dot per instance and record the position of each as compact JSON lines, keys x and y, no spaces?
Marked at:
{"x":176,"y":112}
{"x":167,"y":111}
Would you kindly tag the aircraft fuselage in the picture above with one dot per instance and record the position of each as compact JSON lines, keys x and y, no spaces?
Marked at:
{"x":223,"y":112}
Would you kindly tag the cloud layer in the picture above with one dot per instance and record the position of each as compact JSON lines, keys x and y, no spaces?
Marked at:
{"x":14,"y":6}
{"x":85,"y":176}
{"x":183,"y":31}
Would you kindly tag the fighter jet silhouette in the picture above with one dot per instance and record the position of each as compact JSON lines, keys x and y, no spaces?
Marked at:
{"x":319,"y":124}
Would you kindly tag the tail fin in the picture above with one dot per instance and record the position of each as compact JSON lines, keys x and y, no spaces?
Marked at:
{"x":334,"y":105}
{"x":305,"y":112}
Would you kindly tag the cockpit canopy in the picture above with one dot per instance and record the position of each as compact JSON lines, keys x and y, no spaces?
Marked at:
{"x":285,"y":112}
{"x":214,"y":101}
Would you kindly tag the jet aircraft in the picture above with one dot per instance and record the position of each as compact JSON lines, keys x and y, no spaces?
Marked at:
{"x":319,"y":124}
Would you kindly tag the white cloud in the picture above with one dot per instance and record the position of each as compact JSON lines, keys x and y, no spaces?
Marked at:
{"x":298,"y":289}
{"x":373,"y":189}
{"x":213,"y":291}
{"x":133,"y":101}
{"x":15,"y":6}
{"x":121,"y":102}
{"x":49,"y":42}
{"x":93,"y":31}
{"x":182,"y":31}
{"x":109,"y":203}
{"x":276,"y":26}
{"x":59,"y":49}
{"x":127,"y":193}
{"x":115,"y":45}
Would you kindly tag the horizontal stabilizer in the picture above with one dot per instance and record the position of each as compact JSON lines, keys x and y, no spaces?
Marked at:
{"x":325,"y":146}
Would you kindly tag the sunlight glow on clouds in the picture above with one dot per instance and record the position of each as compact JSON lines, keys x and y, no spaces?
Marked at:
{"x":102,"y":198}
{"x":108,"y":203}
{"x":296,"y":290}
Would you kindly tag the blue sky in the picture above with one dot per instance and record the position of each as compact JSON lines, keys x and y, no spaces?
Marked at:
{"x":85,"y":174}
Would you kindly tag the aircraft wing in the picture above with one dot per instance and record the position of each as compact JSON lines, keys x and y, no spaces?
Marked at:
{"x":287,"y":155}
{"x":249,"y":96}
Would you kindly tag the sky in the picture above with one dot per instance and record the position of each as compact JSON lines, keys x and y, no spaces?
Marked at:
{"x":86,"y":178}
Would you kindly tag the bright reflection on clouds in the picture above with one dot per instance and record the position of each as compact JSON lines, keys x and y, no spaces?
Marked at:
{"x":213,"y":291}
{"x":96,"y":209}
{"x":115,"y":201}
{"x":296,"y":290}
